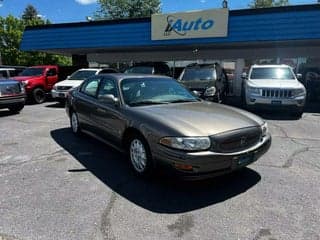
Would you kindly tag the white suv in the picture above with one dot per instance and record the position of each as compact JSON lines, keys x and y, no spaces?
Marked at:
{"x":274,"y":86}
{"x":60,"y":89}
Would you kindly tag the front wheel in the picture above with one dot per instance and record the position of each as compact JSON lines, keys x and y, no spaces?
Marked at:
{"x":38,"y":95}
{"x":140,"y":156}
{"x":74,"y":123}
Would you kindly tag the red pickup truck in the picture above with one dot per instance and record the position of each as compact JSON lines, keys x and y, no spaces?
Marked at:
{"x":38,"y":80}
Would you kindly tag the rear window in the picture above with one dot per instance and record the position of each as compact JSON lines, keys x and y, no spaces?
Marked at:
{"x":272,"y":73}
{"x":82,"y":74}
{"x":140,"y":69}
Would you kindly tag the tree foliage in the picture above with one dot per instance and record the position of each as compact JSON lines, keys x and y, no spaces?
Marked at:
{"x":119,"y":9}
{"x":11,"y":30}
{"x":268,"y":3}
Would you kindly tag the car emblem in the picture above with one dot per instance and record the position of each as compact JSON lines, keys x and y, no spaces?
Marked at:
{"x":243,"y":141}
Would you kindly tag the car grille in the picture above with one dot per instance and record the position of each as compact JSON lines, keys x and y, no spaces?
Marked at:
{"x":236,"y":140}
{"x":64,"y":88}
{"x":10,"y":89}
{"x":276,"y":93}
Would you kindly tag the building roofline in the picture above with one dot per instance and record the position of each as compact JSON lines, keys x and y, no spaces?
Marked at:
{"x":240,"y":12}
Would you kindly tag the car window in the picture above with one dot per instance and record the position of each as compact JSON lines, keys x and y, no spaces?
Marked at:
{"x":90,"y":87}
{"x":52,"y":72}
{"x":108,"y":71}
{"x":140,"y":91}
{"x":107,"y":86}
{"x":3,"y":73}
{"x":272,"y":73}
{"x":198,"y":74}
{"x":141,"y":69}
{"x":32,"y":72}
{"x":82,"y":74}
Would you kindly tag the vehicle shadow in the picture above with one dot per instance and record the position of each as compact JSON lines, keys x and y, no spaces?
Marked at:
{"x":161,"y":194}
{"x":6,"y":113}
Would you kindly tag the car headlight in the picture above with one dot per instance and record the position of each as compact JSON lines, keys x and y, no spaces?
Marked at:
{"x":25,"y":82}
{"x":186,"y":143}
{"x":210,"y":92}
{"x":264,"y":129}
{"x":299,"y":92}
{"x":254,"y":90}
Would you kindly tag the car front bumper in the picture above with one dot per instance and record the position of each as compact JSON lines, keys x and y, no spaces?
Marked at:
{"x":252,"y":100}
{"x":59,"y":94}
{"x":9,"y":101}
{"x":207,"y":164}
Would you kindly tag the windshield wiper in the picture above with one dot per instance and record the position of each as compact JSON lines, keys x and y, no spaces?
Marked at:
{"x":183,"y":100}
{"x":146,"y":102}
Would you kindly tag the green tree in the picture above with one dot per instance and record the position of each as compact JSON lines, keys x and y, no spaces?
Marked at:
{"x":119,"y":9}
{"x":268,"y":3}
{"x":30,"y":13}
{"x":11,"y":31}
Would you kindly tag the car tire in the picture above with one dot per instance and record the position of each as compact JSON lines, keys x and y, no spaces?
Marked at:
{"x":16,"y":108}
{"x":75,"y":124}
{"x":140,"y":156}
{"x":38,"y":95}
{"x":297,"y":114}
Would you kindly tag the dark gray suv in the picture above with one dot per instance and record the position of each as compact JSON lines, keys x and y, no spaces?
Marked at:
{"x":208,"y":81}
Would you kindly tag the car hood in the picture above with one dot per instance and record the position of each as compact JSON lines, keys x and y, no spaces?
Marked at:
{"x":24,"y":78}
{"x":200,"y":118}
{"x":70,"y":83}
{"x":267,"y":83}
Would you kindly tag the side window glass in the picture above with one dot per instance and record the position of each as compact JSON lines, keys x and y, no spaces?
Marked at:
{"x":3,"y":73}
{"x":52,"y":72}
{"x":90,"y":87}
{"x":108,"y":86}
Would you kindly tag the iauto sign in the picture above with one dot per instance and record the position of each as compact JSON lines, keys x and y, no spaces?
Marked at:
{"x":198,"y":24}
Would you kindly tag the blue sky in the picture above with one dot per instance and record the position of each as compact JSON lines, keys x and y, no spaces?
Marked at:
{"x":62,"y":11}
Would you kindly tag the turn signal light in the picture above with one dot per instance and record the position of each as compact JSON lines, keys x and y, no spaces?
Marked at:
{"x":185,"y":167}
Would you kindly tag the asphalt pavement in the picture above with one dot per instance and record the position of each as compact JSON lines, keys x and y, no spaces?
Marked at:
{"x":54,"y":185}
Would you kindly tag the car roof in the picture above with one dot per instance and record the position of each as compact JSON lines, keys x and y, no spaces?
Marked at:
{"x":7,"y":68}
{"x":197,"y":65}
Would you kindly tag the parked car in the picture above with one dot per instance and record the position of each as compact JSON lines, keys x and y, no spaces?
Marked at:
{"x":208,"y":81}
{"x":12,"y":95}
{"x":158,"y":122}
{"x":273,"y":86}
{"x":60,"y":89}
{"x":38,"y":80}
{"x":10,"y":71}
{"x":311,"y":81}
{"x":159,"y":68}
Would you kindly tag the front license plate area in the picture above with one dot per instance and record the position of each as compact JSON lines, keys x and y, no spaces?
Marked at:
{"x":276,"y":102}
{"x":245,"y":159}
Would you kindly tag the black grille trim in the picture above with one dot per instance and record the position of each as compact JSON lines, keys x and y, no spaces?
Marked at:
{"x":236,"y":140}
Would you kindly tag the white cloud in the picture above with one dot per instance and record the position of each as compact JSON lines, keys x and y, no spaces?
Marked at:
{"x":86,"y":2}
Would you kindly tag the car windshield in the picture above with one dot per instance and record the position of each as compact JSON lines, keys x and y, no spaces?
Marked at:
{"x":196,"y":74}
{"x":277,"y":73}
{"x":146,"y":91}
{"x":32,"y":72}
{"x":81,"y":75}
{"x":140,"y":69}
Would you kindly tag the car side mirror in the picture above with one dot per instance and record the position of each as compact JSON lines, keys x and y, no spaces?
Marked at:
{"x":109,"y":99}
{"x":244,"y":75}
{"x":299,"y":76}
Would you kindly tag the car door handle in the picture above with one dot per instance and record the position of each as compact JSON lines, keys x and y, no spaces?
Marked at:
{"x":101,"y":110}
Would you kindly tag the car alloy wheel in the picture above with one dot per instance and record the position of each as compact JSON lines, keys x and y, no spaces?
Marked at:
{"x":39,"y":96}
{"x":138,"y":155}
{"x":74,"y":123}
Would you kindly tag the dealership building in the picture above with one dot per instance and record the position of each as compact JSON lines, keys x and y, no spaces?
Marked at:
{"x":236,"y":38}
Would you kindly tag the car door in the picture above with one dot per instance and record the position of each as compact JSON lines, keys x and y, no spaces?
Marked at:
{"x":107,"y":115}
{"x":51,"y":77}
{"x":85,"y":102}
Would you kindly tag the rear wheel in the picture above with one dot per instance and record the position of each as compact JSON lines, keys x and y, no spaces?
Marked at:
{"x":140,"y":156}
{"x":38,"y":95}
